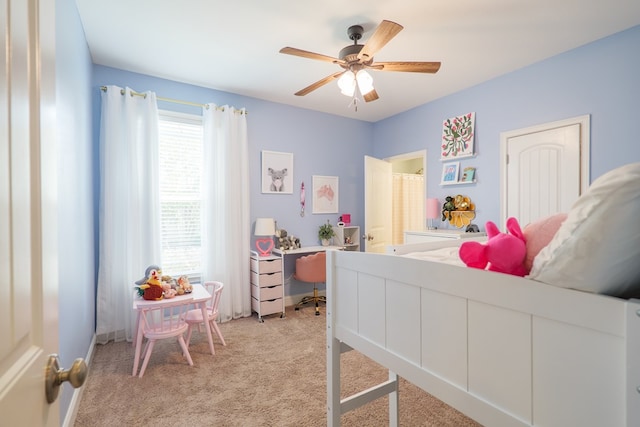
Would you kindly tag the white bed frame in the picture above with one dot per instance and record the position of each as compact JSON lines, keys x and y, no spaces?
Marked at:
{"x":504,"y":350}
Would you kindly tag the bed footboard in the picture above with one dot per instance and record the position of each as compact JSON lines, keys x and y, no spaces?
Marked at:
{"x":502,"y":349}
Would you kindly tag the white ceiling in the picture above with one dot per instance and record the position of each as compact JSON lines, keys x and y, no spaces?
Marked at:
{"x":233,"y":46}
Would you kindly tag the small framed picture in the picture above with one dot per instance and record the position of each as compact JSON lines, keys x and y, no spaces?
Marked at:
{"x":325,"y":194}
{"x":277,"y":172}
{"x":469,"y":174}
{"x":450,"y":172}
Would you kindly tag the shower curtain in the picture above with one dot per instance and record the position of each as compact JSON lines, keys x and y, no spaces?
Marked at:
{"x":408,"y":205}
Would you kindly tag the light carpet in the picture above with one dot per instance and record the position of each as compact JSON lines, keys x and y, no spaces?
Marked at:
{"x":269,"y":374}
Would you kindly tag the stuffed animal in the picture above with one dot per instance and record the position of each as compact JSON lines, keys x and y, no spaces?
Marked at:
{"x":151,"y":287}
{"x":447,"y":207}
{"x":503,"y":252}
{"x":184,"y":287}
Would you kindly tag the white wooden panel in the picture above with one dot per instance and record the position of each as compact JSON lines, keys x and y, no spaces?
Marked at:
{"x":444,"y":336}
{"x":500,"y":358}
{"x":403,"y":320}
{"x":578,"y":375}
{"x":346,"y":298}
{"x":371,"y":310}
{"x":632,"y":387}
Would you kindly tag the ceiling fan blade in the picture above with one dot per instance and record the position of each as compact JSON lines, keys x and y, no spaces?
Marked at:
{"x":371,"y":96}
{"x":411,"y":67}
{"x":311,"y":55}
{"x":319,"y":83}
{"x":383,"y":34}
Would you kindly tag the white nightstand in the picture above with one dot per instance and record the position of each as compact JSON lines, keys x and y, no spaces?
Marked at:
{"x":437,"y":235}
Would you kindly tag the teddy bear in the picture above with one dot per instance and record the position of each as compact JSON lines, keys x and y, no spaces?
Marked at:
{"x":503,"y":252}
{"x":282,"y":242}
{"x":150,"y":286}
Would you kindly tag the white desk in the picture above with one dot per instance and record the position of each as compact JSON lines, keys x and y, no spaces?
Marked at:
{"x":198,"y":296}
{"x":301,"y":251}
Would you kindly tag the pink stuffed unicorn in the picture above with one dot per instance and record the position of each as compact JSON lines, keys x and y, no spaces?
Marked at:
{"x":503,"y":252}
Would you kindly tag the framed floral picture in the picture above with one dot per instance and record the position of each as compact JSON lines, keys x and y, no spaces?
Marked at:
{"x":277,"y":172}
{"x":325,"y":194}
{"x":457,"y":137}
{"x":450,"y":172}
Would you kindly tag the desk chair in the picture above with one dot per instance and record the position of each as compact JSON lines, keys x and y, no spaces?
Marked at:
{"x":312,"y":269}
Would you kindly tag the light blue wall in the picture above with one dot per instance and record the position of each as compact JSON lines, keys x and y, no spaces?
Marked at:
{"x":599,"y":79}
{"x":76,"y":173}
{"x":322,"y":144}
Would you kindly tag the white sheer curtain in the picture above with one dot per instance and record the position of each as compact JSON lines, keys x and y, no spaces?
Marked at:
{"x":225,"y":216}
{"x":129,"y":206}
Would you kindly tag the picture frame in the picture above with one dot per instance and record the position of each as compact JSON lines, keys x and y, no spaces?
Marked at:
{"x":468,"y":174}
{"x":325,"y":194}
{"x":277,"y":172}
{"x":458,"y":137}
{"x":450,"y":172}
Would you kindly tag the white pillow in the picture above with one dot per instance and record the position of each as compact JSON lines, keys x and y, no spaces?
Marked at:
{"x":597,"y":248}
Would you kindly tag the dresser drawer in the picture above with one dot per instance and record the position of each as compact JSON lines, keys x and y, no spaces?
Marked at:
{"x":267,"y":307}
{"x":266,"y":265}
{"x":266,"y":279}
{"x":266,"y":293}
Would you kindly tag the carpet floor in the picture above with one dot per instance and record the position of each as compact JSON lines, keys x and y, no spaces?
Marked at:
{"x":268,"y":374}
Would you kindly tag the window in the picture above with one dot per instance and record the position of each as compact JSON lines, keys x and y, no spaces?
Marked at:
{"x":180,"y":197}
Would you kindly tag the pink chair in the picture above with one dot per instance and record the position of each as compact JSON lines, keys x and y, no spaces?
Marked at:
{"x":161,"y":322}
{"x":312,"y":269}
{"x":194,"y":317}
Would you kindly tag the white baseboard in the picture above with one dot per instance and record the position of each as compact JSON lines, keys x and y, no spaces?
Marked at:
{"x":72,"y":411}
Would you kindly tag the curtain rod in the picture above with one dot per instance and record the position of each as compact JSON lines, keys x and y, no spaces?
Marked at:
{"x":175,"y":101}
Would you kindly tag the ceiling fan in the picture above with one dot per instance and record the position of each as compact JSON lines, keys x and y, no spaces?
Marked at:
{"x":353,"y":80}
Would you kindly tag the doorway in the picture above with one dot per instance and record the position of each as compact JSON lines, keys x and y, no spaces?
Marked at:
{"x":379,"y":203}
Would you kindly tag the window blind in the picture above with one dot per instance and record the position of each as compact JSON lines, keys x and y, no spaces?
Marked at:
{"x":180,"y":154}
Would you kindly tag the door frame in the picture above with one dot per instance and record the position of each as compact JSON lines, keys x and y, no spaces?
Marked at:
{"x":585,"y":148}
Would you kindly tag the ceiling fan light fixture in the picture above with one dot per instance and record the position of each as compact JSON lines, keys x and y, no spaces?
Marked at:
{"x":347,"y":83}
{"x":365,"y":82}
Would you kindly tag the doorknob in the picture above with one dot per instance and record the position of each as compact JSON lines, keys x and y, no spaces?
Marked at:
{"x":367,"y":236}
{"x":54,"y":376}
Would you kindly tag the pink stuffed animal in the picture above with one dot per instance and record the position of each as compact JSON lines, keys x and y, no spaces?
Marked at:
{"x":503,"y":252}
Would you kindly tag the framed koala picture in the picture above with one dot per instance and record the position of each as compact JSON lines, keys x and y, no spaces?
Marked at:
{"x":277,"y":172}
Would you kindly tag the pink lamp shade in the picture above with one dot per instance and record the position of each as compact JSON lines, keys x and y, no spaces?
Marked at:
{"x":433,"y":211}
{"x":265,"y":227}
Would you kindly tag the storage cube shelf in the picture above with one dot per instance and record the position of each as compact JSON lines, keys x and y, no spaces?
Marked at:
{"x":348,"y":237}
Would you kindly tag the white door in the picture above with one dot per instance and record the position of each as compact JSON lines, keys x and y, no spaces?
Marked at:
{"x":543,"y":169}
{"x":377,"y":204}
{"x":28,"y":228}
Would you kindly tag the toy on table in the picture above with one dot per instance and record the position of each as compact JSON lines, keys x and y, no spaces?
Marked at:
{"x":150,"y":286}
{"x":184,"y":287}
{"x":285,"y":242}
{"x":503,"y":252}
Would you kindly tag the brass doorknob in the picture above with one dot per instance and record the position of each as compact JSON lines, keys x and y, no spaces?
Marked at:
{"x":54,"y":376}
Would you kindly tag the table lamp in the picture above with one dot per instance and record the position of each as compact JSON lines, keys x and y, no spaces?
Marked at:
{"x":265,"y":227}
{"x":433,"y":212}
